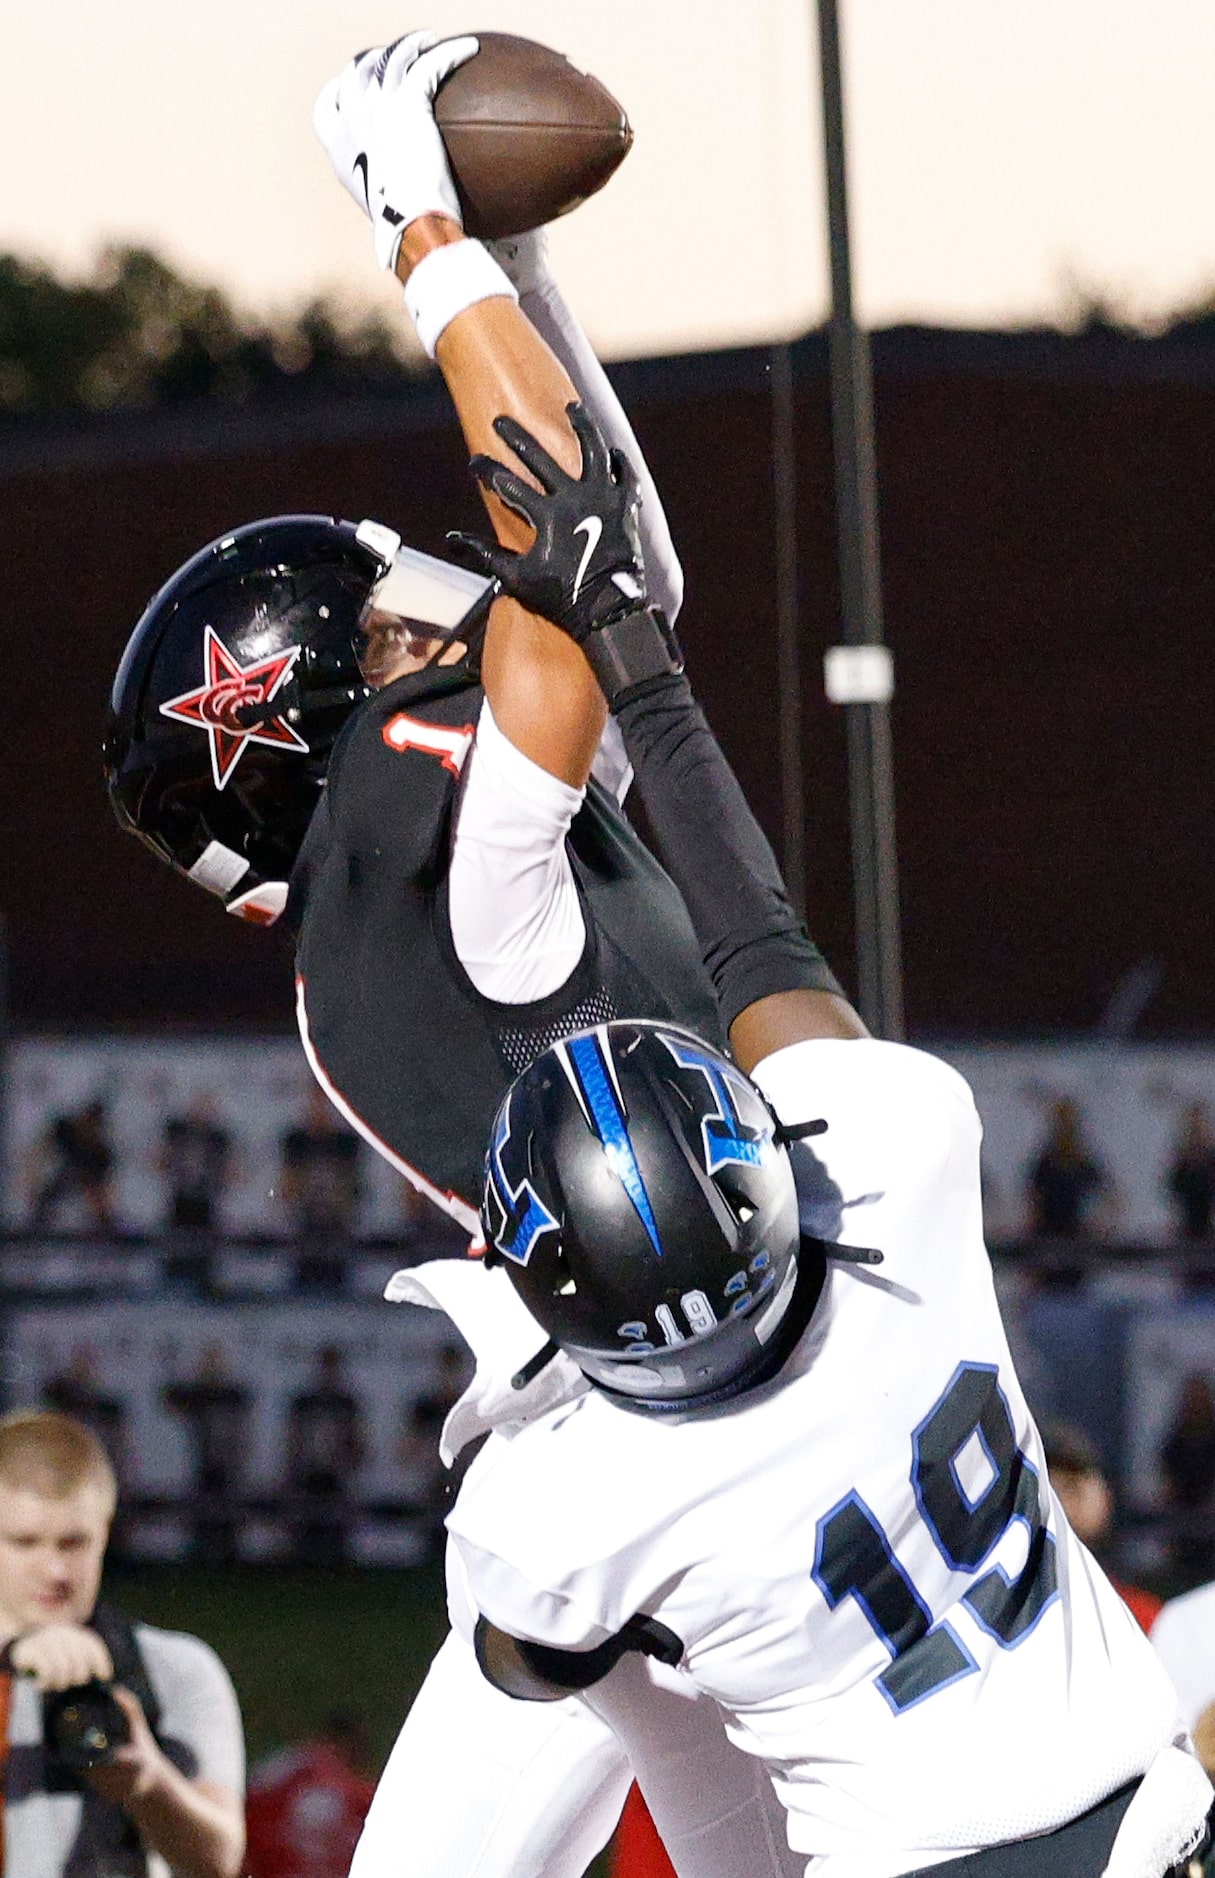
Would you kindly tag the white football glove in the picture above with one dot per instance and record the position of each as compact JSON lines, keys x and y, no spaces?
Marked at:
{"x":376,"y":121}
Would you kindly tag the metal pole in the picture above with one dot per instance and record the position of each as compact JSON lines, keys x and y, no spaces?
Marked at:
{"x":789,"y":678}
{"x":870,"y":770}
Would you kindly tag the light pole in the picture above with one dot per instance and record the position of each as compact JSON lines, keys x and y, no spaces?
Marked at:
{"x":859,"y":673}
{"x":788,"y":629}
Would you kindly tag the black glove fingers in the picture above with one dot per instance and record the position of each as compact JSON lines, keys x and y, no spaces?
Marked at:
{"x":533,"y":456}
{"x":509,"y":488}
{"x":595,"y":458}
{"x":625,"y":478}
{"x":480,"y":557}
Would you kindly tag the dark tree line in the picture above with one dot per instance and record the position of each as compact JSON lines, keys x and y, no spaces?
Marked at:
{"x":136,"y":334}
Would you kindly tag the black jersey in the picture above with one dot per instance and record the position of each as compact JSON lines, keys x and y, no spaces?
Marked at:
{"x":414,"y":1055}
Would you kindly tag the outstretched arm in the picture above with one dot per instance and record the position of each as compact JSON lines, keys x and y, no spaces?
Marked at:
{"x":772,"y":983}
{"x":376,"y":121}
{"x":542,"y":693}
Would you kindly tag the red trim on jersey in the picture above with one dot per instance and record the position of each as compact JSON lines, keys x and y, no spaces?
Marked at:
{"x":637,"y":1851}
{"x":449,"y":742}
{"x":448,"y":1202}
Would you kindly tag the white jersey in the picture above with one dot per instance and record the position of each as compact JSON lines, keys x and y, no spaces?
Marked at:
{"x":863,"y":1559}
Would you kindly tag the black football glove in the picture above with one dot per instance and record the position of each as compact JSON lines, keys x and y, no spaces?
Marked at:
{"x":584,"y":568}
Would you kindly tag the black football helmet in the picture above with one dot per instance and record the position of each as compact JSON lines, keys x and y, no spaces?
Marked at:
{"x":641,"y":1198}
{"x":239,"y":677}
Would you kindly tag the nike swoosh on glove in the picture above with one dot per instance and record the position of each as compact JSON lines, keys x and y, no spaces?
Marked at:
{"x":585,"y":567}
{"x":376,"y":122}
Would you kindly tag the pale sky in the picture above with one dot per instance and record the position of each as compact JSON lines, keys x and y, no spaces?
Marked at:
{"x":1007,"y":159}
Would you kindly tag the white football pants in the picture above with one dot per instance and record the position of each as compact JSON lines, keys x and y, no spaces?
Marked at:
{"x":481,"y":1786}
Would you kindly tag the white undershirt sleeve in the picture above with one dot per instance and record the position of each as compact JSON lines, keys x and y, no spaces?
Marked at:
{"x":516,"y":920}
{"x":611,"y":767}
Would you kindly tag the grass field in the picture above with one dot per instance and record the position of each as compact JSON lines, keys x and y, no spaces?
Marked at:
{"x":302,"y":1642}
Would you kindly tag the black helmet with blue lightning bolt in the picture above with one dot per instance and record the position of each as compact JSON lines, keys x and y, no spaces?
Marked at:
{"x":639,"y":1194}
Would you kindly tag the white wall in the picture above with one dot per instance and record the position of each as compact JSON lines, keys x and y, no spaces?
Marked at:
{"x":1131,"y":1095}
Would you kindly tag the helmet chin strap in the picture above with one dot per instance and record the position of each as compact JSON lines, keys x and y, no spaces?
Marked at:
{"x":531,"y":1369}
{"x":798,"y":1131}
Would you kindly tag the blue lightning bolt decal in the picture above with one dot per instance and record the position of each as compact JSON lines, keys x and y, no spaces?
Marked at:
{"x":525,"y":1215}
{"x":607,"y":1118}
{"x":727,"y":1138}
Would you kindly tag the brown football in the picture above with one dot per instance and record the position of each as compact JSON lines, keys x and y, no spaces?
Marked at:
{"x":528,"y":135}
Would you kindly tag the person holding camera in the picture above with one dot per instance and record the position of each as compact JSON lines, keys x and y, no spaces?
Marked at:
{"x":123,"y":1754}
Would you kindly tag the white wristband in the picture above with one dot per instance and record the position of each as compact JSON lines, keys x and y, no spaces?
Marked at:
{"x":446,"y":281}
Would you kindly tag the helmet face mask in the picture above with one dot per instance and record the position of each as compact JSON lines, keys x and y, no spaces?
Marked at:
{"x":646,"y":1212}
{"x":238,"y":680}
{"x":418,"y":608}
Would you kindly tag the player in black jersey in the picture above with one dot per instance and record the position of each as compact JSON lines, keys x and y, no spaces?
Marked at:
{"x":294,"y":721}
{"x":225,"y":779}
{"x":399,"y":1033}
{"x":357,"y":728}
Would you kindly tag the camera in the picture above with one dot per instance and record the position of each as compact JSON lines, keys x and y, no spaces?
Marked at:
{"x":82,"y":1727}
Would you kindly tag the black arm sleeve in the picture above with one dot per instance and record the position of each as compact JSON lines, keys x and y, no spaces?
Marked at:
{"x":534,"y":1672}
{"x":713,"y":848}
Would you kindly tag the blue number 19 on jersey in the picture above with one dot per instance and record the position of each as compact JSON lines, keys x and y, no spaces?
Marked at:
{"x":853,"y":1558}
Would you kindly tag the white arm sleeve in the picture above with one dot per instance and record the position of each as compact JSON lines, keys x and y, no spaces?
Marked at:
{"x":540,"y":298}
{"x":516,"y":921}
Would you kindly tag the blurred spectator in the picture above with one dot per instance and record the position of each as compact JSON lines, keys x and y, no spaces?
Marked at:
{"x":431,"y":1485}
{"x":80,"y":1392}
{"x":320,"y":1190}
{"x":325,"y":1448}
{"x":307,"y":1804}
{"x":1190,"y":1179}
{"x":172,"y":1795}
{"x":195,"y":1162}
{"x":1066,"y":1182}
{"x":215,"y":1409}
{"x":73,"y":1166}
{"x":1187,"y":1461}
{"x":1081,"y":1488}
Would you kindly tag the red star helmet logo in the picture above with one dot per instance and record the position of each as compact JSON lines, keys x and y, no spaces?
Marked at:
{"x":229,"y":688}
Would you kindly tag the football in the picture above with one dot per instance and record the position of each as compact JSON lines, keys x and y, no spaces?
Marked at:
{"x":528,"y":135}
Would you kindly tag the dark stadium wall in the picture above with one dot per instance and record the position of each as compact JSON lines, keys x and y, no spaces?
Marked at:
{"x":1049,"y":589}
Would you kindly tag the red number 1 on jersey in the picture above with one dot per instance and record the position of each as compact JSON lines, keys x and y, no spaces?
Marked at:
{"x":449,"y":744}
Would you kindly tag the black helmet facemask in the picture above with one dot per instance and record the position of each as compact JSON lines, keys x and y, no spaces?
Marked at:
{"x":420,"y":606}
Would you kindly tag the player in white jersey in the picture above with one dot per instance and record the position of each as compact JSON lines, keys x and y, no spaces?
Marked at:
{"x":784,"y":1432}
{"x":857,"y":1556}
